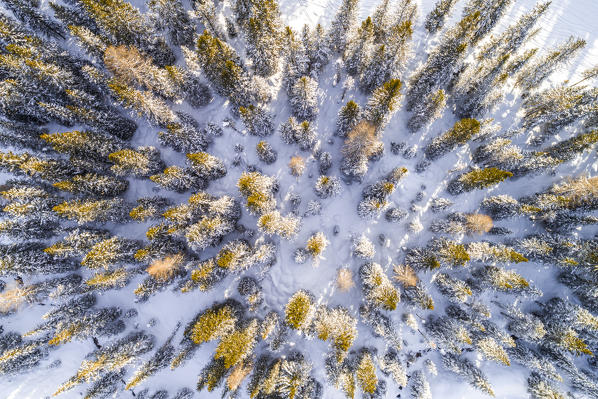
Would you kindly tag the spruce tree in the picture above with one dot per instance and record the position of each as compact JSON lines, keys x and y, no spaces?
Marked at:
{"x":383,"y":103}
{"x":304,"y":98}
{"x":343,"y":25}
{"x":444,"y":60}
{"x":535,"y":73}
{"x":437,"y":17}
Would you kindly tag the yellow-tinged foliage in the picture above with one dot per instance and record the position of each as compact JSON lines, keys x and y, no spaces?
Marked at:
{"x":213,"y":324}
{"x":493,"y":351}
{"x":237,"y":345}
{"x":299,"y":310}
{"x":108,"y":279}
{"x":366,"y":374}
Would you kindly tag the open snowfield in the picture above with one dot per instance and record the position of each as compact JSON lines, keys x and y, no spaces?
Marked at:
{"x":168,"y":307}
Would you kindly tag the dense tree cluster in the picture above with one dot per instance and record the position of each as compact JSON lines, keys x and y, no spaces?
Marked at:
{"x":119,"y":175}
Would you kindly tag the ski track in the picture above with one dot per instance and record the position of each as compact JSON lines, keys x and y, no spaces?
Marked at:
{"x":564,"y":18}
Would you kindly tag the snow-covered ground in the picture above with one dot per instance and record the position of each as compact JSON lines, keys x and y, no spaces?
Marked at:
{"x":565,"y":18}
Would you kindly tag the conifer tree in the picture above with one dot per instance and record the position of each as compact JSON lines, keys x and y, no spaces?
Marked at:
{"x":302,"y":133}
{"x":535,"y":73}
{"x":359,"y":51}
{"x":348,"y":117}
{"x":206,"y":10}
{"x":553,"y":109}
{"x":477,"y":179}
{"x":361,"y":145}
{"x":112,"y":357}
{"x":427,"y":111}
{"x":131,"y":67}
{"x":317,"y":49}
{"x":387,"y":59}
{"x":476,"y":86}
{"x":257,"y":120}
{"x":300,"y":310}
{"x":515,"y":35}
{"x":296,"y":62}
{"x":343,"y":25}
{"x":125,"y":25}
{"x":141,"y":162}
{"x":444,"y":60}
{"x":84,"y":211}
{"x":437,"y":17}
{"x":266,"y":153}
{"x":27,"y":12}
{"x":490,"y":14}
{"x":461,"y":132}
{"x":377,"y":287}
{"x":383,"y":103}
{"x":304,"y":98}
{"x":263,"y":32}
{"x":171,"y":15}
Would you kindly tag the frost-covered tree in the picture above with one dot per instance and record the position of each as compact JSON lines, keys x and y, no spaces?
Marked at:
{"x":304,"y":98}
{"x":343,"y":25}
{"x":435,"y":20}
{"x":535,"y":73}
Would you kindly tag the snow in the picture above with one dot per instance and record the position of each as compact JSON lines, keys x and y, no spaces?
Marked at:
{"x":564,"y":18}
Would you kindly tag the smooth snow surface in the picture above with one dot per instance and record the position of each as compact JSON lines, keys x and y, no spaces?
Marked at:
{"x":564,"y":18}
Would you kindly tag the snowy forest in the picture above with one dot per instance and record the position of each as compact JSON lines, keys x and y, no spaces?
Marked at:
{"x":235,"y":199}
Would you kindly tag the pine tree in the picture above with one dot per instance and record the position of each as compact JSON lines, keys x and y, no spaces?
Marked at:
{"x":361,"y":145}
{"x":263,"y":33}
{"x":130,"y":67}
{"x":304,"y":98}
{"x":27,"y":12}
{"x":437,"y":17}
{"x":490,"y":14}
{"x":144,"y":102}
{"x":141,"y":162}
{"x":300,"y":310}
{"x":112,"y":357}
{"x":476,"y":86}
{"x":377,"y":287}
{"x":365,"y":374}
{"x":477,"y":179}
{"x":343,"y":25}
{"x":461,"y":132}
{"x":237,"y":345}
{"x":296,"y":62}
{"x":207,"y":167}
{"x":257,"y":120}
{"x":125,"y":25}
{"x":317,"y":49}
{"x":93,"y":184}
{"x":515,"y":35}
{"x":444,"y":60}
{"x":359,"y":50}
{"x":171,"y":15}
{"x":387,"y":59}
{"x":84,"y":211}
{"x":301,"y":134}
{"x":467,"y":370}
{"x":535,"y":73}
{"x":266,"y":153}
{"x":427,"y":111}
{"x":383,"y":103}
{"x":206,"y":11}
{"x":420,"y":388}
{"x":348,"y":117}
{"x":551,"y":110}
{"x":222,"y":67}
